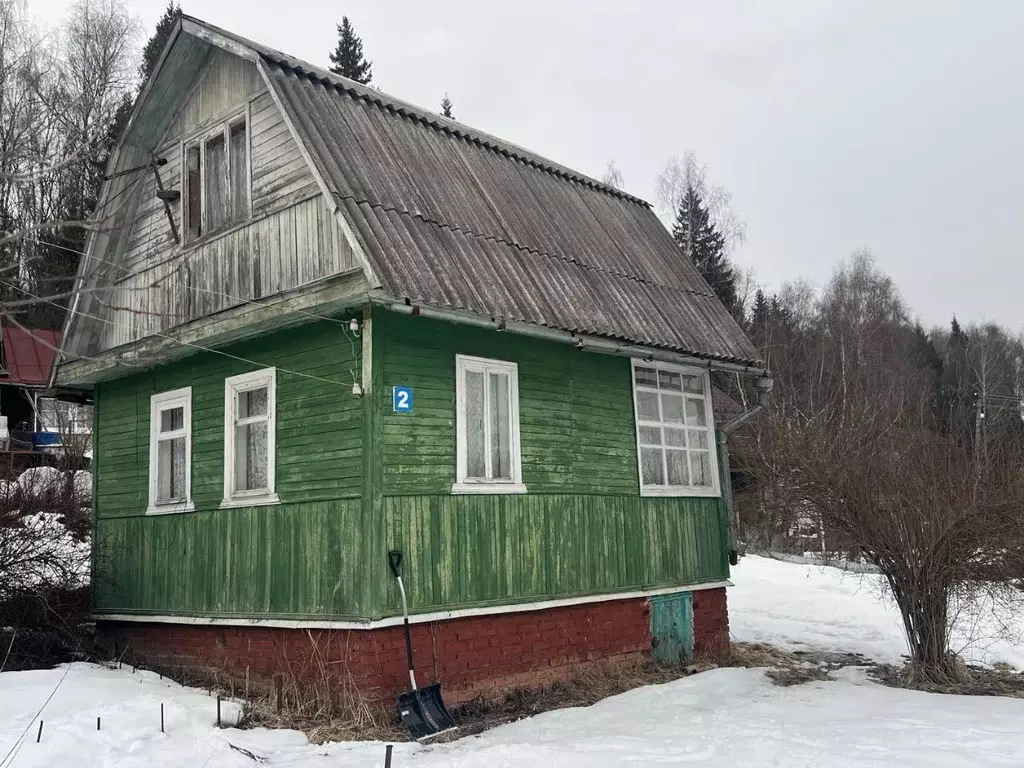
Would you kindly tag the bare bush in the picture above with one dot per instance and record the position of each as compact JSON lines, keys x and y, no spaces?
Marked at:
{"x":864,"y":437}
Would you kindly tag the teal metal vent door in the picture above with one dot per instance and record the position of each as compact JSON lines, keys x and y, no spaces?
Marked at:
{"x":672,"y":626}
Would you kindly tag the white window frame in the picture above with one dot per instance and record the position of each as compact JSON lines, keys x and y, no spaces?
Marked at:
{"x":233,"y":385}
{"x":714,"y":490}
{"x":199,"y":142}
{"x":464,"y":484}
{"x":158,"y":403}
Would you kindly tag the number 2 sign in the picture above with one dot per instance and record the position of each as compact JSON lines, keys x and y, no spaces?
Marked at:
{"x":401,"y":399}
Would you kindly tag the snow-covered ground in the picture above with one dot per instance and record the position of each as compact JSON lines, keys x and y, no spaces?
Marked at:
{"x":723,"y":717}
{"x":802,"y":607}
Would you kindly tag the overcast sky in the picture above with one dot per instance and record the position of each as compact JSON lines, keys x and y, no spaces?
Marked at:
{"x":892,"y":126}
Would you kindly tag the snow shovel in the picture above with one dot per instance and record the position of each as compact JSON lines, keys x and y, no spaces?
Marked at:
{"x":422,"y":710}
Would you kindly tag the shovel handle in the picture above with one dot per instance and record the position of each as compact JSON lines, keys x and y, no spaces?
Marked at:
{"x":395,"y":562}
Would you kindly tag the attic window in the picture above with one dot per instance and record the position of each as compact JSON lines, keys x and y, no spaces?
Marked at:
{"x":216,"y":177}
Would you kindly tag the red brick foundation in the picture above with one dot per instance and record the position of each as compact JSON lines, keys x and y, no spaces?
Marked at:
{"x":484,"y":656}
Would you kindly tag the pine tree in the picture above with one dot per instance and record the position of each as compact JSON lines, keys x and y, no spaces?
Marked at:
{"x":446,"y":107}
{"x":760,"y":317}
{"x":704,"y":245}
{"x":347,"y":59}
{"x":155,"y":46}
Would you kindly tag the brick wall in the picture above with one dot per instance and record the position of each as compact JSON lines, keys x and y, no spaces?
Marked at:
{"x":710,"y":624}
{"x":483,"y":656}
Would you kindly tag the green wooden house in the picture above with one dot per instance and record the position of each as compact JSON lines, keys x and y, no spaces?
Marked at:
{"x":320,"y":323}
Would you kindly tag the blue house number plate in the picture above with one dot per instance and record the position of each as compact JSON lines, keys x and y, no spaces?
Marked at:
{"x":401,"y":399}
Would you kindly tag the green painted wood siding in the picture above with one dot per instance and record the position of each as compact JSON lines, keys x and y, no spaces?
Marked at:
{"x":296,"y":558}
{"x":582,"y":528}
{"x":575,"y":409}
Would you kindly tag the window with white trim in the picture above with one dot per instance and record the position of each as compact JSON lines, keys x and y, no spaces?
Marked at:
{"x":216,"y":179}
{"x":250,"y":419}
{"x":675,"y":430}
{"x":487,"y":426}
{"x":170,"y":452}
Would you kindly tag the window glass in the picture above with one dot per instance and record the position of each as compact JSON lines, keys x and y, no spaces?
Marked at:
{"x":488,"y":429}
{"x":674,"y":439}
{"x":169,"y":453}
{"x":239,"y":173}
{"x":171,"y":472}
{"x":475,"y":433}
{"x":194,"y":183}
{"x":216,"y":178}
{"x":249,"y":438}
{"x":501,"y":448}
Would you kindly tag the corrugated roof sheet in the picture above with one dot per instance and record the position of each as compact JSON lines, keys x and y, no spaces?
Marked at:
{"x":28,"y":355}
{"x":458,"y":219}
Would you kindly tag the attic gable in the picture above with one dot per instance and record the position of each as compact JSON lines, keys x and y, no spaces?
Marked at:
{"x":138,"y":281}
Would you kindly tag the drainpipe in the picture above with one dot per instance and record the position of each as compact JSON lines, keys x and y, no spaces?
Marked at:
{"x":763,"y":385}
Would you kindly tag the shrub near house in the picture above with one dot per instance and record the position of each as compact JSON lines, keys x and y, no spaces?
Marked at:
{"x":348,"y":350}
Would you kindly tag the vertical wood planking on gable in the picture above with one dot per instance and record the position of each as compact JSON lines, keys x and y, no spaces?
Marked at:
{"x":225,"y":83}
{"x":274,"y":253}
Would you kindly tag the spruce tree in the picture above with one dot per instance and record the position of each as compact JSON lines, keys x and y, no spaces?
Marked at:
{"x":155,"y":46}
{"x":446,"y":107}
{"x":704,"y":245}
{"x":347,"y":59}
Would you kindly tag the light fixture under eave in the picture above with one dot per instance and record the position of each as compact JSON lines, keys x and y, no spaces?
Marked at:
{"x":353,"y":325}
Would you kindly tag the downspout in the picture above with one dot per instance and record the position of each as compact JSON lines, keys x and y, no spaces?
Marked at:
{"x":763,"y":385}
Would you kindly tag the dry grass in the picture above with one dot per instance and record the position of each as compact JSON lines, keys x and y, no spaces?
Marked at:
{"x":999,"y":680}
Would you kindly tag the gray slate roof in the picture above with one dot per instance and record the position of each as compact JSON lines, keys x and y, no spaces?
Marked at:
{"x":457,"y":219}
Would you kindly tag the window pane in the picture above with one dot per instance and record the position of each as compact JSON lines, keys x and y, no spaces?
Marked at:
{"x":675,"y":437}
{"x":700,"y":468}
{"x":650,"y":435}
{"x":475,"y":436}
{"x":194,"y":191}
{"x":647,"y":377}
{"x":698,"y":438}
{"x":239,"y":174}
{"x":693,"y":384}
{"x":172,"y":419}
{"x":171,"y":469}
{"x":677,"y":473}
{"x":695,"y":415}
{"x":670,"y":380}
{"x":252,"y":402}
{"x":652,"y":471}
{"x":216,"y":173}
{"x":672,"y":408}
{"x":501,"y":445}
{"x":647,"y":406}
{"x":251,"y":456}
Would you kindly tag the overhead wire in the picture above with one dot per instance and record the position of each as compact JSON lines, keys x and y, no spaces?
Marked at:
{"x":191,"y":345}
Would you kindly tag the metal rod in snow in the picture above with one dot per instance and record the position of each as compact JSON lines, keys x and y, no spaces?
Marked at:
{"x":161,"y":717}
{"x":387,"y":755}
{"x":218,"y":711}
{"x":97,"y":722}
{"x":39,"y":735}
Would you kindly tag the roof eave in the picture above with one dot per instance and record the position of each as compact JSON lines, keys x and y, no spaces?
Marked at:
{"x":590,"y":342}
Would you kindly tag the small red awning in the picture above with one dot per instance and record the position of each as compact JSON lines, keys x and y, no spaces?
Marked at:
{"x":28,"y":356}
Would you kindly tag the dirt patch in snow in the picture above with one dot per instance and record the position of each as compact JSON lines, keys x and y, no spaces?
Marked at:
{"x":787,"y":668}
